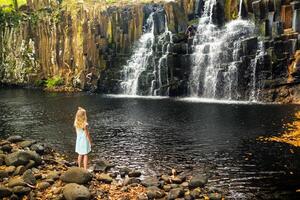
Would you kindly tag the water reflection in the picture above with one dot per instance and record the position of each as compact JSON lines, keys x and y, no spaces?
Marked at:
{"x":155,"y":134}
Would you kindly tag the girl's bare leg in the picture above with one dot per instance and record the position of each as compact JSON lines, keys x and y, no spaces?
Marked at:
{"x":85,"y":161}
{"x":79,"y":160}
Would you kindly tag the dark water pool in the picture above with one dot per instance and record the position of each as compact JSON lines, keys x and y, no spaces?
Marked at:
{"x":156,"y":134}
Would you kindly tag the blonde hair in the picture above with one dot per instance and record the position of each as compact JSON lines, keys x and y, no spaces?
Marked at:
{"x":80,"y":118}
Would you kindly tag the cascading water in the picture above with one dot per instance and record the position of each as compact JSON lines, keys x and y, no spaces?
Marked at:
{"x":138,"y":61}
{"x":215,"y":74}
{"x":255,"y":84}
{"x":158,"y":73}
{"x":240,"y":9}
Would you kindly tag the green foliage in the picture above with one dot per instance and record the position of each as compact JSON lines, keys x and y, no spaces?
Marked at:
{"x":39,"y":83}
{"x":111,"y":1}
{"x":54,"y":81}
{"x":9,"y":5}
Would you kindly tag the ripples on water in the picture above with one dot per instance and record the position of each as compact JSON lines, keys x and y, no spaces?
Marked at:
{"x":218,"y":138}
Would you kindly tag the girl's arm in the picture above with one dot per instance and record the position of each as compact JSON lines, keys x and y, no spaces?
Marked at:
{"x":88,"y":134}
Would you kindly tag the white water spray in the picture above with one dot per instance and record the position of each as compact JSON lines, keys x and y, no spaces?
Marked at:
{"x":214,"y":74}
{"x":138,"y":61}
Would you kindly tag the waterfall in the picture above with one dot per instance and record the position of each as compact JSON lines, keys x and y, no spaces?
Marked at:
{"x":162,"y":62}
{"x":240,"y":9}
{"x":138,"y":62}
{"x":255,"y":83}
{"x":214,"y":72}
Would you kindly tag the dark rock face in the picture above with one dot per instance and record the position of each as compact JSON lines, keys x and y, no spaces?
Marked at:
{"x":97,"y":44}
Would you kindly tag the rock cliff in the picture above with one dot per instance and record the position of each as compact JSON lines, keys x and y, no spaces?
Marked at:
{"x":84,"y":44}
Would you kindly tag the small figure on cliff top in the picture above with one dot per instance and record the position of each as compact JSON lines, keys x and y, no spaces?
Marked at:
{"x":83,"y":141}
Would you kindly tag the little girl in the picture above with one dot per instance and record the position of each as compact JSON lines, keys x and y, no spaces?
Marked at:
{"x":83,"y":141}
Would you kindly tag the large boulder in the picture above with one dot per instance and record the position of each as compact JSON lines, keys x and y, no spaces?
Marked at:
{"x":105,"y":178}
{"x":29,"y":178}
{"x":21,"y":190}
{"x":39,"y":148}
{"x":17,"y":181}
{"x":150,"y":181}
{"x":26,"y":143}
{"x":73,"y":191}
{"x":15,"y":138}
{"x":198,"y":181}
{"x":155,"y":193}
{"x":175,"y":193}
{"x":76,"y":175}
{"x":102,"y":166}
{"x":22,"y":158}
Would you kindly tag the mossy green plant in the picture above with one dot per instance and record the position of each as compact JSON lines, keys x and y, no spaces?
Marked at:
{"x":54,"y":82}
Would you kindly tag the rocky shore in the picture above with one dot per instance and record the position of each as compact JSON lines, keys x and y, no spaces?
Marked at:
{"x":31,"y":170}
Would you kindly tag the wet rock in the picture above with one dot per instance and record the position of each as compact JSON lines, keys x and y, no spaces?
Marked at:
{"x":124,"y":189}
{"x":76,"y":175}
{"x":295,"y":5}
{"x":39,"y":148}
{"x":185,"y":184}
{"x":30,"y":164}
{"x":129,"y":181}
{"x":22,"y":158}
{"x":142,"y":197}
{"x":43,"y":185}
{"x":18,"y":181}
{"x":28,"y":177}
{"x":150,"y":181}
{"x":113,"y":175}
{"x":196,"y":193}
{"x":155,"y":193}
{"x":4,"y":192}
{"x":124,"y":171}
{"x":173,"y":185}
{"x":198,"y":181}
{"x":249,"y":46}
{"x":51,"y":181}
{"x":14,"y":197}
{"x":10,"y":170}
{"x":53,"y":175}
{"x":19,"y":170}
{"x":258,"y":9}
{"x":102,"y":166}
{"x":134,"y":173}
{"x":15,"y":138}
{"x":105,"y":178}
{"x":166,"y":178}
{"x":167,"y":188}
{"x":2,"y":161}
{"x":3,"y":174}
{"x":6,"y":148}
{"x":296,"y":20}
{"x":177,"y":179}
{"x":26,"y":143}
{"x":215,"y":196}
{"x":21,"y":190}
{"x":175,"y":193}
{"x":74,"y":191}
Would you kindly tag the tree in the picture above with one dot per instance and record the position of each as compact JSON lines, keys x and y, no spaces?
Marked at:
{"x":16,"y":6}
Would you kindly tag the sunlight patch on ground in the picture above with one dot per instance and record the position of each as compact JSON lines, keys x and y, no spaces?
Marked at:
{"x":291,"y":136}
